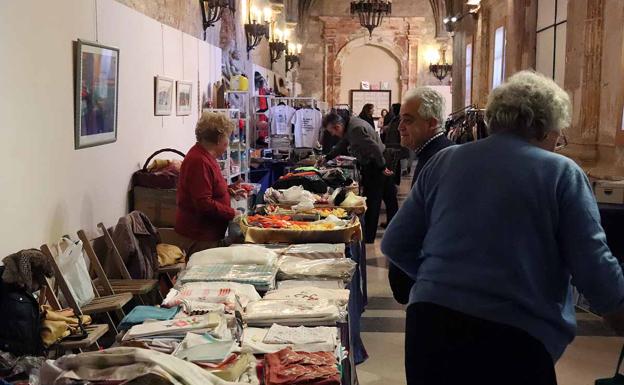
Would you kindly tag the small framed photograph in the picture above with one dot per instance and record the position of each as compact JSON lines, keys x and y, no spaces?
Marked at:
{"x":96,"y":94}
{"x":163,"y":96}
{"x":184,"y":91}
{"x":364,"y":85}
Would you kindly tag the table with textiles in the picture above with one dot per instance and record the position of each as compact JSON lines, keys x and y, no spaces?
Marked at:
{"x":281,"y":314}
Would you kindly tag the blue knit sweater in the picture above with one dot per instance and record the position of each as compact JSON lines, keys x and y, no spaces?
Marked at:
{"x":498,"y":229}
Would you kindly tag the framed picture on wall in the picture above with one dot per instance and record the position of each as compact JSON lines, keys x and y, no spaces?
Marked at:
{"x":163,"y":96}
{"x":184,"y":91}
{"x":96,"y":94}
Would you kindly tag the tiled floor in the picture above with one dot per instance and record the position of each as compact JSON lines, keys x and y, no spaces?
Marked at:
{"x":592,"y":355}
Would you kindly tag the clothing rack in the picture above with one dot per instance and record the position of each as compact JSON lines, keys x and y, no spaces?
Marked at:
{"x":466,"y":125}
{"x":462,"y":110}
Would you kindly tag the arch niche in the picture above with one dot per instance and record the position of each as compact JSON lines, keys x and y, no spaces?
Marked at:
{"x":396,"y":55}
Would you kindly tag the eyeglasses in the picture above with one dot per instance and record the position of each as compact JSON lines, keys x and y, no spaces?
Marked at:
{"x":562,"y":142}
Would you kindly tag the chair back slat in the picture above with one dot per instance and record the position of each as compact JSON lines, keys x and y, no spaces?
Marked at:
{"x":119,"y":263}
{"x":106,"y":287}
{"x":60,"y":280}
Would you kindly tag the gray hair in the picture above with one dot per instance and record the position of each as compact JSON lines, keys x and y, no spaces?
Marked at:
{"x":530,"y":105}
{"x":431,"y":102}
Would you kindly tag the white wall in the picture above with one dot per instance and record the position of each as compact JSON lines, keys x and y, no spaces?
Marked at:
{"x":372,"y":64}
{"x":48,"y":188}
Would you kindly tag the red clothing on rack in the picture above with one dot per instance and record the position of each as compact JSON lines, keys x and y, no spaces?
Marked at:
{"x":203,"y":201}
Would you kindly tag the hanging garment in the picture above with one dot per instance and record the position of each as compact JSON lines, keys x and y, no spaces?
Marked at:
{"x":307,"y":123}
{"x":280,"y":117}
{"x":136,"y":239}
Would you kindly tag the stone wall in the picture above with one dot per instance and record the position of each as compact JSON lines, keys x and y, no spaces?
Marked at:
{"x":330,"y":31}
{"x":594,"y":64}
{"x":185,"y":15}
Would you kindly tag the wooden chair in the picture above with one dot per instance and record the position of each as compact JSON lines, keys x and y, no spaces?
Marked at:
{"x":136,"y":287}
{"x":94,"y":331}
{"x":101,"y":304}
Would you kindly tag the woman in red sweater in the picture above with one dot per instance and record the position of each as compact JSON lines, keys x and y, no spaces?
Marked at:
{"x":203,"y":201}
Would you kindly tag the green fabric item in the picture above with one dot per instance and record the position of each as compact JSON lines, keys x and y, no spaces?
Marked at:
{"x":306,"y":169}
{"x":618,"y":379}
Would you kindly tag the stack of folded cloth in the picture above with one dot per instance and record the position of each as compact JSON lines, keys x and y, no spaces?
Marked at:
{"x":220,"y":357}
{"x":290,"y":367}
{"x":249,"y":264}
{"x":339,"y":297}
{"x":208,"y":297}
{"x":292,"y":312}
{"x":140,"y":314}
{"x":302,"y":268}
{"x":315,"y":251}
{"x":165,"y":336}
{"x":302,"y":338}
{"x":323,"y":284}
{"x":234,"y":255}
{"x":262,"y":277}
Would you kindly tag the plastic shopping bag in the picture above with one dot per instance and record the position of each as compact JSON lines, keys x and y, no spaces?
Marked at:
{"x":618,"y":379}
{"x":74,"y":269}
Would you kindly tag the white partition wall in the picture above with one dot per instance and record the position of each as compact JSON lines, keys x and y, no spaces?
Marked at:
{"x":48,"y":188}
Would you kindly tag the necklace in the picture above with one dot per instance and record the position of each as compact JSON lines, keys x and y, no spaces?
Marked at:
{"x":421,"y":148}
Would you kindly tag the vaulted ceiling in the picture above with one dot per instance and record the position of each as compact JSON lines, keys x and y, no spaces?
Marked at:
{"x":438,"y":7}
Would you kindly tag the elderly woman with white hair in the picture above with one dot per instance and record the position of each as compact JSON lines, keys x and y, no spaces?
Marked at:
{"x":493,"y":233}
{"x":203,"y":200}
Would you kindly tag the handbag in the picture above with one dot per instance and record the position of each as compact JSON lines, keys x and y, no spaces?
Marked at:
{"x":618,"y":379}
{"x":57,"y":325}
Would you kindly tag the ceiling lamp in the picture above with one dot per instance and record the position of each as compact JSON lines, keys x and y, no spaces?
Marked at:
{"x":212,"y":10}
{"x":371,"y":13}
{"x":442,"y":68}
{"x":292,"y":56}
{"x":257,"y":26}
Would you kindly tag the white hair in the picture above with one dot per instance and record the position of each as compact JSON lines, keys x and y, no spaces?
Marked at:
{"x":431,"y":102}
{"x":530,"y":105}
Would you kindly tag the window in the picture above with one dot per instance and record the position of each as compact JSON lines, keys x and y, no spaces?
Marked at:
{"x":552,"y":18}
{"x":498,"y":72}
{"x":468,"y":96}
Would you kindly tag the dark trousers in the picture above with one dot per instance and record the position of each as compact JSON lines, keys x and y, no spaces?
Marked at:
{"x":390,"y":199}
{"x":445,"y":347}
{"x":373,"y":187}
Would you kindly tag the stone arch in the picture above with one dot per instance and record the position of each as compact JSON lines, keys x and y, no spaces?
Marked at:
{"x":392,"y":49}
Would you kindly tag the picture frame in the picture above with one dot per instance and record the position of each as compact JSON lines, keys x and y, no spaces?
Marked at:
{"x":184,"y":97}
{"x":96,"y":94}
{"x":163,"y":95}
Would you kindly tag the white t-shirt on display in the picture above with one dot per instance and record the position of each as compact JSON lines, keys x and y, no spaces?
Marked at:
{"x":307,"y":123}
{"x":280,"y":117}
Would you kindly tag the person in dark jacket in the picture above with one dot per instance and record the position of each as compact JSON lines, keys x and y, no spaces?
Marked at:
{"x":422,"y":108}
{"x":367,"y":114}
{"x":394,"y":153}
{"x":364,"y":144}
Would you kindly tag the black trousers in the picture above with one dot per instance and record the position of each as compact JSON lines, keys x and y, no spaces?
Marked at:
{"x":446,"y":347}
{"x":390,"y":198}
{"x":373,"y":187}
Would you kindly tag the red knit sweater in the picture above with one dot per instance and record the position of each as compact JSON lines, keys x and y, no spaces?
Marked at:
{"x":203,"y":199}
